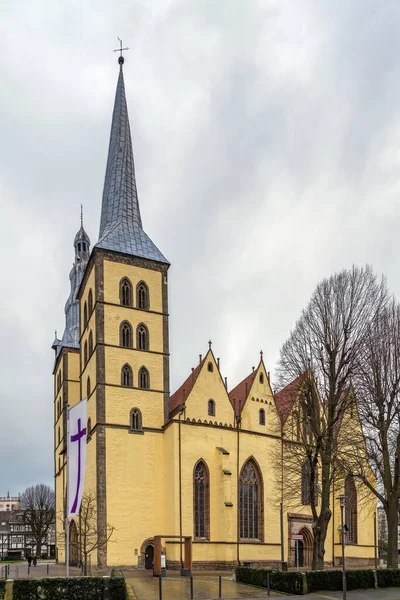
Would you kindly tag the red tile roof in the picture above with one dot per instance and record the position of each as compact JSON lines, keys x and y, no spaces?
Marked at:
{"x":183,"y":392}
{"x":239,"y":394}
{"x":285,"y":398}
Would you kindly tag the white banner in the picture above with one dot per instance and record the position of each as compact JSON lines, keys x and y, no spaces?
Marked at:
{"x":76,"y":456}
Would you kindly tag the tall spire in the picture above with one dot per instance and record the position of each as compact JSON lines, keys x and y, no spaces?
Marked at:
{"x":121,"y":224}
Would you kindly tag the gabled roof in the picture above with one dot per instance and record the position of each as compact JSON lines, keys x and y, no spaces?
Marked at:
{"x":121,"y":224}
{"x":285,"y":398}
{"x":183,"y":392}
{"x":239,"y":394}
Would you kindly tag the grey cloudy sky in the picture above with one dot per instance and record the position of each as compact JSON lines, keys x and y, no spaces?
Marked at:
{"x":267,"y":146}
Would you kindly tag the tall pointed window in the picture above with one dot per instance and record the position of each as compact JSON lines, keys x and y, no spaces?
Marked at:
{"x":201,"y":499}
{"x":210,"y":367}
{"x":142,"y":296}
{"x":306,"y":483}
{"x":142,"y":335}
{"x":350,"y":493}
{"x":126,"y":376}
{"x":59,"y":435}
{"x":144,"y":379}
{"x":90,"y":301}
{"x":85,"y":353}
{"x":251,"y":509}
{"x":211,"y":408}
{"x":85,"y":315}
{"x":89,"y":429}
{"x":261,"y":416}
{"x":261,"y":377}
{"x":90,"y":343}
{"x":126,"y":335}
{"x":136,"y":420}
{"x":88,"y":387}
{"x":125,"y":292}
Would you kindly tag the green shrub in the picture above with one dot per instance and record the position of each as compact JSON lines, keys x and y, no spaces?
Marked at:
{"x":332,"y":580}
{"x":117,"y":585}
{"x":388,"y":577}
{"x":2,"y":589}
{"x":279,"y":580}
{"x":74,"y":588}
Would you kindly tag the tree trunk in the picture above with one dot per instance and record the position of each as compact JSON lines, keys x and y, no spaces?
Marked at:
{"x":393,"y":521}
{"x":85,"y":564}
{"x":319,"y":547}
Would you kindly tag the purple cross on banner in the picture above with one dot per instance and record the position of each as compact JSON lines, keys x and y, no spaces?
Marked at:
{"x":76,"y":456}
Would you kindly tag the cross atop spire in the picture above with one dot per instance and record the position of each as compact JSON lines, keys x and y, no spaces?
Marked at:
{"x":81,"y":215}
{"x":121,"y":224}
{"x":120,"y":50}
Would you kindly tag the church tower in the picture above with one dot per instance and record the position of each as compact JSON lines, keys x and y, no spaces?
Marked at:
{"x":124,"y":353}
{"x":67,"y":369}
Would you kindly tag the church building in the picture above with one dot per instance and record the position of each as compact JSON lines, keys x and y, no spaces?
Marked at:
{"x":199,"y":462}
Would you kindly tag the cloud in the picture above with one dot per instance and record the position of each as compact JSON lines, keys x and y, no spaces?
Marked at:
{"x":266,"y":139}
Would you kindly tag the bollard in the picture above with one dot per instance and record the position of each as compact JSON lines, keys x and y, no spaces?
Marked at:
{"x":160,"y":587}
{"x":29,"y":570}
{"x":191,"y":587}
{"x":219,"y":587}
{"x":48,"y":568}
{"x":268,"y":593}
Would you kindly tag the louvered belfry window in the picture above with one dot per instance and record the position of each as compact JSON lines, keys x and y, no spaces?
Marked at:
{"x":250,"y":502}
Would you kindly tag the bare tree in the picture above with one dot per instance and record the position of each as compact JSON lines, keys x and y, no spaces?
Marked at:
{"x":38,"y":503}
{"x":88,"y":538}
{"x":324,"y":351}
{"x":378,"y":397}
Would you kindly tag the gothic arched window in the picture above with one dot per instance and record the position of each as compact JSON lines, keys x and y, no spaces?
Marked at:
{"x":90,"y":343}
{"x":88,"y":387}
{"x":251,"y":509}
{"x":85,"y":353}
{"x":90,"y":301}
{"x":142,"y":337}
{"x":261,"y":416}
{"x":85,"y":314}
{"x":201,"y":500}
{"x":59,"y":435}
{"x":306,"y":483}
{"x":136,"y":420}
{"x":211,"y":408}
{"x":261,"y":377}
{"x":125,"y":292}
{"x":89,"y":429}
{"x":350,"y":493}
{"x":142,"y":296}
{"x":126,"y":376}
{"x":210,"y":367}
{"x":144,"y":379}
{"x":125,"y":335}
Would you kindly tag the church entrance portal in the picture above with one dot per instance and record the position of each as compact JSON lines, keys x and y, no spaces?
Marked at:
{"x":300,"y":550}
{"x":149,"y":556}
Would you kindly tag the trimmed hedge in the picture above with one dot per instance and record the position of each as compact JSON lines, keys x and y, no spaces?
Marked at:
{"x":388,"y":577}
{"x":281,"y":581}
{"x":117,"y":585}
{"x":74,"y":588}
{"x":2,"y":589}
{"x":357,"y":579}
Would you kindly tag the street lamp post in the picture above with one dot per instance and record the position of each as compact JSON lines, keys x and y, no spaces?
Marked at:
{"x":342,"y":499}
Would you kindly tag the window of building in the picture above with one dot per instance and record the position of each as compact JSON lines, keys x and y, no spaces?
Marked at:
{"x":350,"y":493}
{"x":85,"y":314}
{"x":251,"y":507}
{"x":90,"y":343}
{"x":59,"y":435}
{"x":89,"y":429}
{"x":142,"y":335}
{"x":262,"y":416}
{"x":126,"y":335}
{"x":88,"y":387}
{"x":136,"y":420}
{"x":201,"y":497}
{"x":90,"y":301}
{"x":210,"y":367}
{"x":306,"y":483}
{"x":142,"y":296}
{"x":144,"y":379}
{"x":125,"y":292}
{"x":126,"y":376}
{"x":261,"y":377}
{"x":211,"y":408}
{"x":85,"y":353}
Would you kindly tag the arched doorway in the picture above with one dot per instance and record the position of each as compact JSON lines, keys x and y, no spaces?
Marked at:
{"x":73,"y":544}
{"x":149,"y":556}
{"x":306,"y":548}
{"x":300,"y":550}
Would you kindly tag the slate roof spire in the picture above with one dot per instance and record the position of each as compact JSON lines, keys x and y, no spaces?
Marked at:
{"x":121,"y":224}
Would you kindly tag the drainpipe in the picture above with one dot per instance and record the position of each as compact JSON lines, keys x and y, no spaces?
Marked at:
{"x":238,"y":419}
{"x":180,"y":484}
{"x":281,"y":506}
